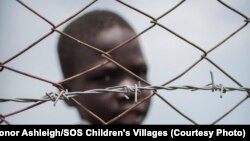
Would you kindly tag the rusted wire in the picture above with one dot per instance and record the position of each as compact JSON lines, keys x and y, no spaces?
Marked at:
{"x":2,"y":120}
{"x":34,"y":77}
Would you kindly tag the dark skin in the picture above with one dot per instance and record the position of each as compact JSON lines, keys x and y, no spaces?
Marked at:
{"x":108,"y":106}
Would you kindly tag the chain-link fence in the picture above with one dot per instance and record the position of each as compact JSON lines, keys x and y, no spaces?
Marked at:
{"x":154,"y":22}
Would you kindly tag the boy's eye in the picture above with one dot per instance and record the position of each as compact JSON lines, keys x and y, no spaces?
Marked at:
{"x":102,"y":78}
{"x":107,"y":78}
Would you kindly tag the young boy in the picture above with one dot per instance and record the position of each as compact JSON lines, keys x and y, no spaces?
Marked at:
{"x":103,"y":30}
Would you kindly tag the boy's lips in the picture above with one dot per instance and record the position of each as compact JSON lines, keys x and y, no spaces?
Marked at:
{"x":137,"y":111}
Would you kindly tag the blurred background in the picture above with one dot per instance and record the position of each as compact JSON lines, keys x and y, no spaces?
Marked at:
{"x":205,"y":23}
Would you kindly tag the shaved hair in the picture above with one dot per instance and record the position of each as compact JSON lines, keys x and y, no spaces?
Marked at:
{"x":85,"y":28}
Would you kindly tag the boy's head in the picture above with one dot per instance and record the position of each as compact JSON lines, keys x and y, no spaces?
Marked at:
{"x":103,"y":30}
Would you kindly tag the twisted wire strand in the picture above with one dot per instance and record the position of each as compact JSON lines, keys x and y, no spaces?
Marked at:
{"x":127,"y":90}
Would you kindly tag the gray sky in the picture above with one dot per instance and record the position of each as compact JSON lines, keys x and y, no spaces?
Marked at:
{"x":204,"y":22}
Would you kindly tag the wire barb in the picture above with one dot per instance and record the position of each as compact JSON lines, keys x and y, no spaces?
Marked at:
{"x":214,"y":87}
{"x":62,"y":93}
{"x":51,"y":96}
{"x":212,"y":80}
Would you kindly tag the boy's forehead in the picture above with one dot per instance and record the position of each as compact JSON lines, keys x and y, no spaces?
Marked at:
{"x":106,"y":40}
{"x":114,"y":32}
{"x":110,"y":37}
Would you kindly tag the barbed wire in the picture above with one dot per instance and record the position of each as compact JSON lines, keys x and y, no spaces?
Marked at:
{"x":128,"y":90}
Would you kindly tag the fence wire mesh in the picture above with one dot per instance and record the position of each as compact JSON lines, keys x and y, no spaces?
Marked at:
{"x":154,"y":22}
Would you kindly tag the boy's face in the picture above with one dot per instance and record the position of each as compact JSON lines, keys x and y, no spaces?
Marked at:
{"x":108,"y":106}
